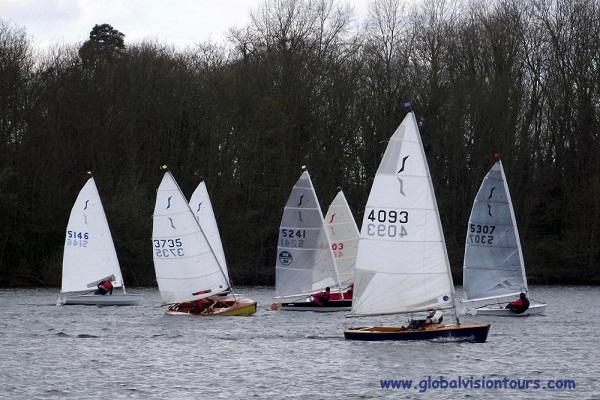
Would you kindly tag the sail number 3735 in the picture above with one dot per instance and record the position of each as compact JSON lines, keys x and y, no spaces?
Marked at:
{"x":168,"y":247}
{"x":387,"y":223}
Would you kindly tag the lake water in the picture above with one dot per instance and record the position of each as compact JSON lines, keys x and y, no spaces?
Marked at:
{"x":77,"y":352}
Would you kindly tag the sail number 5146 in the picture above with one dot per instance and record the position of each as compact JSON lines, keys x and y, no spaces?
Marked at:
{"x":387,"y":223}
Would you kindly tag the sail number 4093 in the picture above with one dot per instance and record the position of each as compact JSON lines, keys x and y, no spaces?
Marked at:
{"x":168,"y":247}
{"x":387,"y":223}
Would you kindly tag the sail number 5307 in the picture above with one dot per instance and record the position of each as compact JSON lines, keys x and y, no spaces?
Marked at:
{"x":387,"y":223}
{"x":481,"y":234}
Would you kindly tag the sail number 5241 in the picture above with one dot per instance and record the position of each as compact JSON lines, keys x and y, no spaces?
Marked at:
{"x":387,"y":223}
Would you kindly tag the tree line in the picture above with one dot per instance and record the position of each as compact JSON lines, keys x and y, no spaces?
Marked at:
{"x":304,"y":84}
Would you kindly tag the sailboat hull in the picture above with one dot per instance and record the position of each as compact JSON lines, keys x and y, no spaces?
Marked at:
{"x":476,"y":333}
{"x":240,"y":307}
{"x":331,"y":306}
{"x":116,"y":299}
{"x":500,"y":311}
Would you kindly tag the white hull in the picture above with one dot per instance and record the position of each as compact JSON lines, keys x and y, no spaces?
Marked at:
{"x":116,"y":299}
{"x":500,"y":311}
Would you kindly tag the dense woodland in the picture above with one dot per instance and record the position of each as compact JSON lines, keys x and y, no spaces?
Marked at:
{"x":304,"y":82}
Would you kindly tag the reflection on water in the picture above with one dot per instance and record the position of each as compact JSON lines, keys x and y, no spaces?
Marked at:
{"x":77,"y":352}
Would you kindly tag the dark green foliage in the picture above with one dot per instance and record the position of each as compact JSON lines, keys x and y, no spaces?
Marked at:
{"x":298,"y":86}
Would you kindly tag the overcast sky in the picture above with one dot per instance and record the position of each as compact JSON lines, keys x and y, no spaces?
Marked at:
{"x":179,"y":22}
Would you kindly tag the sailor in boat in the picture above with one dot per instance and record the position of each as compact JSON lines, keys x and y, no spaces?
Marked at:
{"x":434,"y":317}
{"x":322,"y":298}
{"x":348,"y":293}
{"x":104,"y":287}
{"x":520,"y":305}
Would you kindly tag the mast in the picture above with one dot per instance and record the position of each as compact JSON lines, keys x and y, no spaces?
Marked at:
{"x":437,"y":212}
{"x":334,"y":265}
{"x":514,"y":222}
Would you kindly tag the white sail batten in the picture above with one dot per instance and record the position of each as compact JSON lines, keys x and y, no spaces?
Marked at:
{"x":402,"y":265}
{"x":89,"y":251}
{"x":186,"y":267}
{"x":201,"y":205}
{"x":344,"y":236}
{"x":305,"y":262}
{"x":493,"y":262}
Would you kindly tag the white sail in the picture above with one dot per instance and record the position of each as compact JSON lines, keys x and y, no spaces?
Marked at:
{"x":89,"y":253}
{"x":343,"y":235}
{"x":305,"y":262}
{"x":402,"y":264}
{"x":493,"y":263}
{"x":186,"y":267}
{"x":202,"y":207}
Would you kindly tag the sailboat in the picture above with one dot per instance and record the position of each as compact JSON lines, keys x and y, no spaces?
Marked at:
{"x":343,"y":238}
{"x":305,"y":264}
{"x":402,"y":265}
{"x":493,"y":269}
{"x":189,"y":274}
{"x":89,"y":255}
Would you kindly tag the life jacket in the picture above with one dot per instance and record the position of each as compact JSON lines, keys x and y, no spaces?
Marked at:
{"x":519,"y":306}
{"x":321,"y":298}
{"x":107,"y":285}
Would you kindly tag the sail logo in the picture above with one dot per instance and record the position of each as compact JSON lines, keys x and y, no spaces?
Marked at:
{"x":300,"y":202}
{"x":169,"y":202}
{"x":86,"y":204}
{"x":199,"y":205}
{"x":285,"y":258}
{"x":401,"y":186}
{"x":403,"y":164}
{"x":332,"y":217}
{"x":172,"y":224}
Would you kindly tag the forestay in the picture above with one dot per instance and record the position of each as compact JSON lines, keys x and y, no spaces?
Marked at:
{"x":343,"y":235}
{"x":202,"y":207}
{"x":89,"y":252}
{"x":402,"y":265}
{"x":493,"y":263}
{"x":305,"y":262}
{"x":186,"y":267}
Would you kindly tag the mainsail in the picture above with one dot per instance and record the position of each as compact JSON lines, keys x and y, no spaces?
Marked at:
{"x":402,"y":265}
{"x":305,"y":262}
{"x":493,"y":263}
{"x":89,"y":252}
{"x":186,"y":266}
{"x":343,"y":235}
{"x":202,"y":207}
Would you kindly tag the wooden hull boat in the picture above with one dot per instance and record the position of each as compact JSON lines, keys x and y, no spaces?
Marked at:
{"x":476,"y":333}
{"x":500,"y":310}
{"x":116,"y":299}
{"x":226,"y":307}
{"x":331,"y":306}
